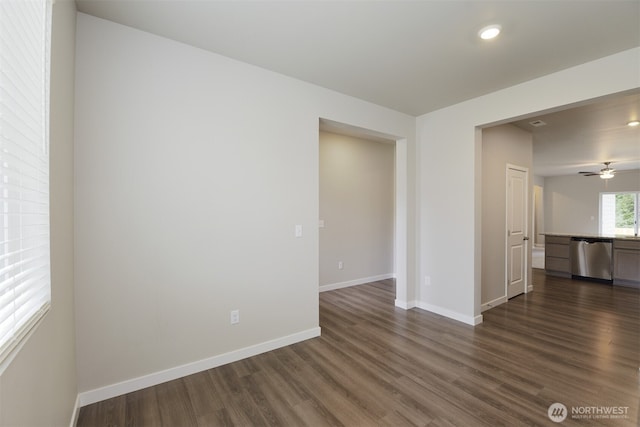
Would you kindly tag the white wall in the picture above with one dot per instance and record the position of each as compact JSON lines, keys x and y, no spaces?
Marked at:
{"x":572,"y":203}
{"x":38,"y":388}
{"x":450,"y":240}
{"x":192,"y":171}
{"x":357,"y":207}
{"x":501,"y":145}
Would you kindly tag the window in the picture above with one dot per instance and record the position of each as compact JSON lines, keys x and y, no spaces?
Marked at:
{"x":619,"y":213}
{"x":25,"y":277}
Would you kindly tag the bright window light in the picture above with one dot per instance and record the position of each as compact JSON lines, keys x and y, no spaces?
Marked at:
{"x":25,"y":273}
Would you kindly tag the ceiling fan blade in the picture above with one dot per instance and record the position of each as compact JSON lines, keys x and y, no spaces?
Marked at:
{"x":589,"y":173}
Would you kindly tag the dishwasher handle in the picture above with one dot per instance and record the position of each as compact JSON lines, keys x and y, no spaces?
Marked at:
{"x":590,"y":240}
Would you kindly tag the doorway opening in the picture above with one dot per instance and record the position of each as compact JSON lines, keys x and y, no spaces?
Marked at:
{"x":543,"y":213}
{"x":537,"y":249}
{"x":505,"y":220}
{"x":362,"y":208}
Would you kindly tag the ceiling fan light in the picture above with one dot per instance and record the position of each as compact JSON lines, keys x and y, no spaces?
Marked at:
{"x":633,"y":123}
{"x":606,"y":175}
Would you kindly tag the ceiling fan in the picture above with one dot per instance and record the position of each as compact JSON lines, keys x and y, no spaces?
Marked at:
{"x":605,"y":173}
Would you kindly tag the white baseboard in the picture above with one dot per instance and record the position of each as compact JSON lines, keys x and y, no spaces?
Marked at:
{"x":76,"y":412}
{"x":407,"y":305}
{"x":469,"y":320}
{"x":128,"y":386}
{"x":496,"y":302}
{"x":362,"y":281}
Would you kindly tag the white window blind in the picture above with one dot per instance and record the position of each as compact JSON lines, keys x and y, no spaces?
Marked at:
{"x":25,"y":278}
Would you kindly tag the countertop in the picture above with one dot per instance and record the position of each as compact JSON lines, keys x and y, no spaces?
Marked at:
{"x":595,"y":236}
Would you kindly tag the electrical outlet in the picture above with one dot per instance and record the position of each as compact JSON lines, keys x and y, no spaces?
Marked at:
{"x":340,"y":265}
{"x":235,"y":316}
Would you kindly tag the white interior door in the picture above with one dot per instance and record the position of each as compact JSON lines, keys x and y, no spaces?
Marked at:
{"x":517,"y":238}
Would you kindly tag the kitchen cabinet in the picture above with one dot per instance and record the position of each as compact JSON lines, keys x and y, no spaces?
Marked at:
{"x":626,"y":262}
{"x":556,"y":260}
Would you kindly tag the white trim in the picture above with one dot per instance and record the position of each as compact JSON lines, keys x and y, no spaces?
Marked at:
{"x":355,"y":282}
{"x":21,"y":337}
{"x":134,"y":384}
{"x":406,"y":305}
{"x":473,"y":321}
{"x":401,"y":221}
{"x":76,"y":412}
{"x":496,"y":302}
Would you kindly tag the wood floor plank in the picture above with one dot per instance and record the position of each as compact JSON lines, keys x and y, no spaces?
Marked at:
{"x":274,"y":400}
{"x":334,"y":392}
{"x":316,"y":414}
{"x":111,"y":412}
{"x":569,"y":341}
{"x":142,"y":408}
{"x":201,"y":392}
{"x":174,"y":404}
{"x":217,"y":418}
{"x":88,"y":416}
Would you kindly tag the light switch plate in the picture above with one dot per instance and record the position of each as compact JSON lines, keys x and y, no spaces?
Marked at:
{"x":234,"y":317}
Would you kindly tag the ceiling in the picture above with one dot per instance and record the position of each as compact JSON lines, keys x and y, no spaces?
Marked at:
{"x":583,"y":138}
{"x":418,"y":56}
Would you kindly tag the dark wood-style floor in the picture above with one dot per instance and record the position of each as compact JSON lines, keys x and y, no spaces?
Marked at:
{"x":572,"y":342}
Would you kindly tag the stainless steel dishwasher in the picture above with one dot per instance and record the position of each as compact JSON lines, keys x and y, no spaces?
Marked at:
{"x":591,"y":258}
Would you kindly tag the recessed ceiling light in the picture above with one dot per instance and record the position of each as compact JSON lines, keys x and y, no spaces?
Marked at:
{"x":489,"y":32}
{"x":633,"y":123}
